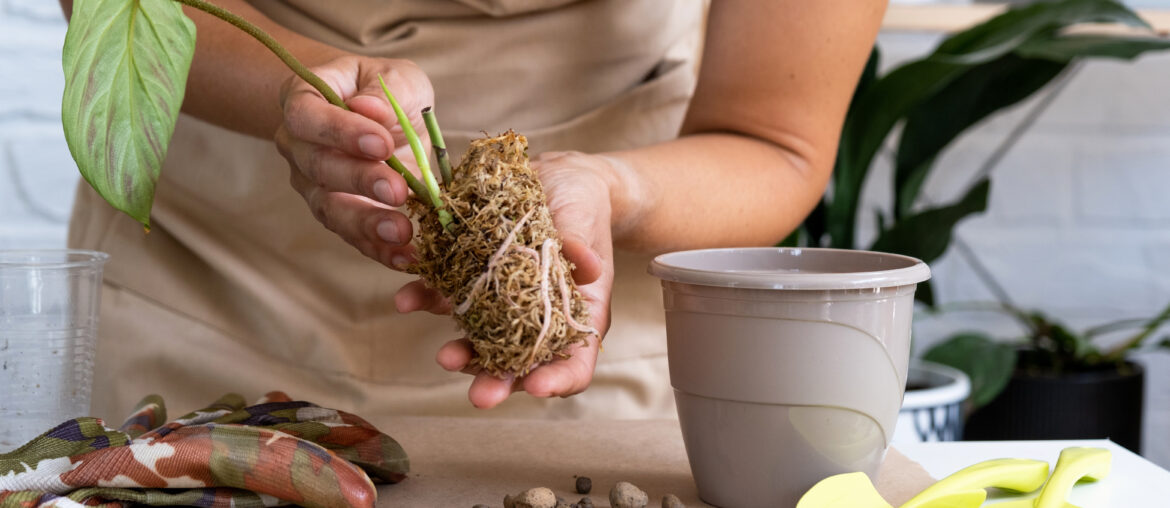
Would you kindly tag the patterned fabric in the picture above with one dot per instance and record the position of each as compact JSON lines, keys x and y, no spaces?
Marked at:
{"x":274,"y":453}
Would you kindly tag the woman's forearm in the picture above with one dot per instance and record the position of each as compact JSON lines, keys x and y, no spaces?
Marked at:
{"x":709,"y":190}
{"x":761,"y":132}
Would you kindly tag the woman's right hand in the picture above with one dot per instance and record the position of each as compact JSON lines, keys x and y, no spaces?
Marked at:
{"x":336,"y":156}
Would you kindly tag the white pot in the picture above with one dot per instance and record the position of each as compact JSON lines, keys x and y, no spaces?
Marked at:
{"x":933,"y":413}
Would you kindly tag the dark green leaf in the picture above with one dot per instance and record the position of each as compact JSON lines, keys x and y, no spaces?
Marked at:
{"x":1069,"y":343}
{"x":1165,"y":342}
{"x":792,"y":240}
{"x":877,"y":110}
{"x":1002,"y":34}
{"x":925,"y":293}
{"x":988,"y":363}
{"x":1118,"y":353}
{"x":867,"y":125}
{"x":868,"y":74}
{"x":126,"y":64}
{"x":926,"y":235}
{"x":814,"y":225}
{"x":972,"y":96}
{"x":1067,"y":47}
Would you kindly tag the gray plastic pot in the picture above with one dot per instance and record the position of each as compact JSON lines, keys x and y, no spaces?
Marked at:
{"x":788,"y":365}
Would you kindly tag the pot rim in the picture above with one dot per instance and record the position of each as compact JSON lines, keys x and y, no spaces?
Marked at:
{"x":1084,"y":377}
{"x":781,"y":268}
{"x":51,"y":259}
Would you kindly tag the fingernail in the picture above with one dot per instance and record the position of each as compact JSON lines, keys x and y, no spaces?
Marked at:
{"x":400,"y":262}
{"x":388,"y":231}
{"x":384,"y":192}
{"x":373,"y":146}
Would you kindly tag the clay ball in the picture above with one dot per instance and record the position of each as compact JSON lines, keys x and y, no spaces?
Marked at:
{"x":672,"y":501}
{"x":626,"y":495}
{"x":539,"y":497}
{"x":584,"y":484}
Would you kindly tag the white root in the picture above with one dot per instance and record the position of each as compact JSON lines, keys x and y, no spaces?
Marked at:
{"x":477,"y":287}
{"x":567,"y":307}
{"x":546,"y":254}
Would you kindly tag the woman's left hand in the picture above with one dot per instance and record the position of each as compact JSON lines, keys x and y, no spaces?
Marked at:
{"x":578,"y":192}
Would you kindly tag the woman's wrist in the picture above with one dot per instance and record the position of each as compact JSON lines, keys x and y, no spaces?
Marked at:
{"x":630,"y":195}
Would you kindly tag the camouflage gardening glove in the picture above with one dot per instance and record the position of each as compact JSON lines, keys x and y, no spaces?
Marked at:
{"x":274,"y":453}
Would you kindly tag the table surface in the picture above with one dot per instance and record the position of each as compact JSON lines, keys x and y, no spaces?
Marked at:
{"x":1132,"y":482}
{"x":461,"y":462}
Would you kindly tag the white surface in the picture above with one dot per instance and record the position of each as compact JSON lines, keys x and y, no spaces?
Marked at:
{"x":1134,"y":482}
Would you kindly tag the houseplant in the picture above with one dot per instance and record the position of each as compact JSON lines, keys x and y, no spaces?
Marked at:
{"x":1054,"y":383}
{"x":967,"y":78}
{"x":970,"y":76}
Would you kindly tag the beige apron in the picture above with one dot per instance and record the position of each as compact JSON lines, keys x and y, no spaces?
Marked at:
{"x":238,"y":289}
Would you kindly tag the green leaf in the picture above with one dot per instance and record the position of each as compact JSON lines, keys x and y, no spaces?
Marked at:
{"x":1002,"y":34}
{"x":1164,"y":343}
{"x":126,"y":64}
{"x":879,"y":108}
{"x":925,"y":293}
{"x":1104,"y":46}
{"x":988,"y":363}
{"x":1069,"y":343}
{"x":870,"y":119}
{"x":814,"y":226}
{"x":926,"y":235}
{"x":792,"y":240}
{"x":972,"y":96}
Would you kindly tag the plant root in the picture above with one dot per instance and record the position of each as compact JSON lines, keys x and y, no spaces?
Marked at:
{"x":502,"y":261}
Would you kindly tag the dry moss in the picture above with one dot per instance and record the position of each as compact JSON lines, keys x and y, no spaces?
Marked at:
{"x":501,"y":265}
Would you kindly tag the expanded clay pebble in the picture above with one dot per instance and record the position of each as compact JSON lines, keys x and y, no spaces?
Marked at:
{"x":585,"y":502}
{"x":672,"y":501}
{"x":540,"y":497}
{"x":626,"y":495}
{"x":584,"y":484}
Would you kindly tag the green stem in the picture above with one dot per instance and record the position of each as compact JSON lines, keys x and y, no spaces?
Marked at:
{"x":420,"y":156}
{"x":267,"y":40}
{"x":437,"y":142}
{"x":415,"y":184}
{"x":304,"y":73}
{"x":1118,"y":352}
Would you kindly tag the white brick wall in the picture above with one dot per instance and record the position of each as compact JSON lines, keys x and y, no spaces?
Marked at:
{"x":1079,"y":223}
{"x":36,"y":173}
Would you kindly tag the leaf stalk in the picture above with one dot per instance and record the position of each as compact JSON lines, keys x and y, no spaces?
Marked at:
{"x":323,"y":88}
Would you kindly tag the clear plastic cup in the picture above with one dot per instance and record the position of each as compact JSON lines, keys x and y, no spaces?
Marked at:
{"x":49,"y":301}
{"x":788,"y":364}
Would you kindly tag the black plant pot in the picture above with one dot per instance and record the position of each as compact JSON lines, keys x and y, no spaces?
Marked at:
{"x":1081,"y":405}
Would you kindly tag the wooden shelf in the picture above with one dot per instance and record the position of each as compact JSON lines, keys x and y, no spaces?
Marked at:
{"x":955,"y":17}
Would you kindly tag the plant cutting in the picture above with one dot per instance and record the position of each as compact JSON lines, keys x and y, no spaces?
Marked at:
{"x":931,"y":101}
{"x":487,"y":241}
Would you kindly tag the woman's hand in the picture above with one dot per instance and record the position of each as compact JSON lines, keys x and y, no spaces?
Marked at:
{"x":577,"y":189}
{"x":336,"y":156}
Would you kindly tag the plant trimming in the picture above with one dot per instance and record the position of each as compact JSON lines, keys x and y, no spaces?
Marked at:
{"x":126,"y":64}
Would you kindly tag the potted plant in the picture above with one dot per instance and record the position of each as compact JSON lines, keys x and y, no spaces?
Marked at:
{"x":967,"y":78}
{"x":1054,"y":383}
